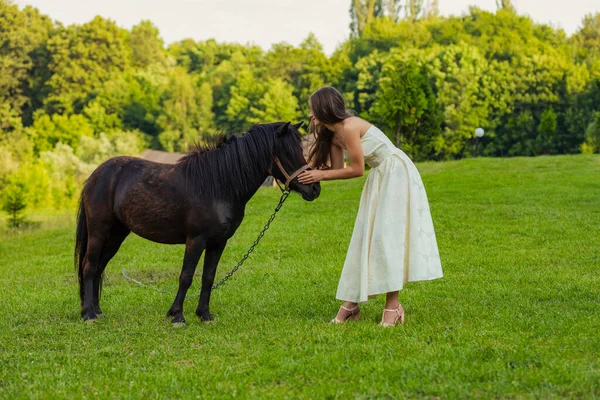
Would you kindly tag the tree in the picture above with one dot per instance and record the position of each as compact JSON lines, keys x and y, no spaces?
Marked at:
{"x":587,"y":39}
{"x":277,"y":104}
{"x":14,"y":137}
{"x":534,"y":83}
{"x":146,"y":45}
{"x":82,"y":59}
{"x":505,"y":5}
{"x":414,"y":10}
{"x":461,"y":84}
{"x":206,"y":117}
{"x":23,"y":35}
{"x":546,"y":132}
{"x":432,"y":10}
{"x":67,"y":129}
{"x":14,"y":203}
{"x":407,"y":106}
{"x":592,"y":143}
{"x":137,"y":98}
{"x":305,"y":68}
{"x":363,"y":12}
{"x":366,"y":86}
{"x":234,"y":79}
{"x":245,"y":95}
{"x":181,"y":118}
{"x":100,"y":119}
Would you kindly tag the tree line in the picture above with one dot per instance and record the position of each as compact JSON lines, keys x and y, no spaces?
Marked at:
{"x":71,"y":96}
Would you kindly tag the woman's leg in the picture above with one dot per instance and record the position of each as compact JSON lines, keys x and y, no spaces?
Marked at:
{"x":391,"y":300}
{"x":347,"y":310}
{"x":391,"y":303}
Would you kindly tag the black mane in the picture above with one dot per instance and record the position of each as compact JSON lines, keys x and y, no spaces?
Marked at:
{"x":231,"y":167}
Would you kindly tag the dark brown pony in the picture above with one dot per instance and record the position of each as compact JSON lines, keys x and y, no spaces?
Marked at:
{"x":199,"y":201}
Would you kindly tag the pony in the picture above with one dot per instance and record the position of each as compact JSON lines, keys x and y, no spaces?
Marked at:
{"x":199,"y":201}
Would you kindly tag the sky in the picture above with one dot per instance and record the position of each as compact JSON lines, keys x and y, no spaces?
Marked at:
{"x":264,"y":22}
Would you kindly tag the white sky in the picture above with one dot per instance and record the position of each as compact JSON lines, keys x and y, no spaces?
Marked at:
{"x":264,"y":22}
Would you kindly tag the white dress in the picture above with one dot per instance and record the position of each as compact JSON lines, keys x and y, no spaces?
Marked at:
{"x":393,"y":241}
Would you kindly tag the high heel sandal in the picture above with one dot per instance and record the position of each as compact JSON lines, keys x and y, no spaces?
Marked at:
{"x":354,"y":314}
{"x":399,"y":317}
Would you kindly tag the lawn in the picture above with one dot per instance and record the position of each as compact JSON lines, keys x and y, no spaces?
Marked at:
{"x":517,"y":314}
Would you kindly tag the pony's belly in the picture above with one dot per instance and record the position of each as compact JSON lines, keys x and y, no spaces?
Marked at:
{"x":162,"y":237}
{"x":160,"y":231}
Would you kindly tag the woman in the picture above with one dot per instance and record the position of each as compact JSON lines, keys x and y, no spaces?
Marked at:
{"x":393,"y":241}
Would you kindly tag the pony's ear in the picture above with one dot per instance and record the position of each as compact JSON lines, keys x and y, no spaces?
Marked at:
{"x":284,"y":129}
{"x":298,"y":125}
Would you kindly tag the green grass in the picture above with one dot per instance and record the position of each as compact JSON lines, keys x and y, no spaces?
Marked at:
{"x":517,"y":314}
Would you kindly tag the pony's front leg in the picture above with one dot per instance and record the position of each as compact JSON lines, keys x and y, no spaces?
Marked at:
{"x":213,"y":255}
{"x":193,"y":251}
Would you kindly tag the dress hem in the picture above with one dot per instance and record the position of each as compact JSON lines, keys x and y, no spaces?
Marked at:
{"x":382,"y":291}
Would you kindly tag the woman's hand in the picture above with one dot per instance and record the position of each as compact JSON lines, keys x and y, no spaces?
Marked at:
{"x":312,"y":176}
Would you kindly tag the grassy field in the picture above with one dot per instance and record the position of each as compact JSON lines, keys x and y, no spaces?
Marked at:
{"x":517,"y":314}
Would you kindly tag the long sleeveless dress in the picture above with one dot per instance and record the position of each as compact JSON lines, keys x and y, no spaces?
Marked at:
{"x":393,"y":241}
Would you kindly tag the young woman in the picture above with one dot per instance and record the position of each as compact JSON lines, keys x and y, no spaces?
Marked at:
{"x":393,"y":241}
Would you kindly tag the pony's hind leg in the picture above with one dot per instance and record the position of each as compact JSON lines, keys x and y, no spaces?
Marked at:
{"x":118,"y":234}
{"x":211,"y":260}
{"x":193,"y":251}
{"x":91,"y":264}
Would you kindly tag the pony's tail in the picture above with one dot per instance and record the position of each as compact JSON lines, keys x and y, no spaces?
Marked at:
{"x":81,"y":239}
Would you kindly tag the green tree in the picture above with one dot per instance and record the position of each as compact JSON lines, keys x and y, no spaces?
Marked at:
{"x":305,"y":68}
{"x":363,"y":12}
{"x":245,"y":95}
{"x":592,"y":143}
{"x":14,"y":203}
{"x":277,"y":104}
{"x":587,"y":40}
{"x":504,"y":5}
{"x":23,"y":35}
{"x":407,"y":106}
{"x":433,"y":9}
{"x":414,"y":9}
{"x":535,"y":82}
{"x":181,"y":118}
{"x":461,"y":83}
{"x":100,"y":119}
{"x":231,"y":81}
{"x":546,"y":132}
{"x":14,"y":137}
{"x":146,"y":45}
{"x":82,"y":59}
{"x":366,"y":85}
{"x":49,"y":130}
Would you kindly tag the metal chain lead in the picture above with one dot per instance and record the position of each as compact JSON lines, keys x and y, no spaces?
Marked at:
{"x":284,"y":196}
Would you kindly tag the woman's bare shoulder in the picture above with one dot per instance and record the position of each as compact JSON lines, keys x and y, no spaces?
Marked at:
{"x":356,"y":125}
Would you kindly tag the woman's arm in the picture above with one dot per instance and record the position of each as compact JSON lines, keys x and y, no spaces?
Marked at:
{"x":354,"y":170}
{"x":336,"y":155}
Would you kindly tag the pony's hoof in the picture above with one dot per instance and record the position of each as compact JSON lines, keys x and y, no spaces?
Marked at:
{"x":178,"y":319}
{"x":90,"y":317}
{"x":205,"y":317}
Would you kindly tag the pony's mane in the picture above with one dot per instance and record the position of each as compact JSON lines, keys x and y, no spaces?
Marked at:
{"x":231,"y":166}
{"x":204,"y":147}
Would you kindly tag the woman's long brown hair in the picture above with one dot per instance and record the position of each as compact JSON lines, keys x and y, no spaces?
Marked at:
{"x":328,"y":106}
